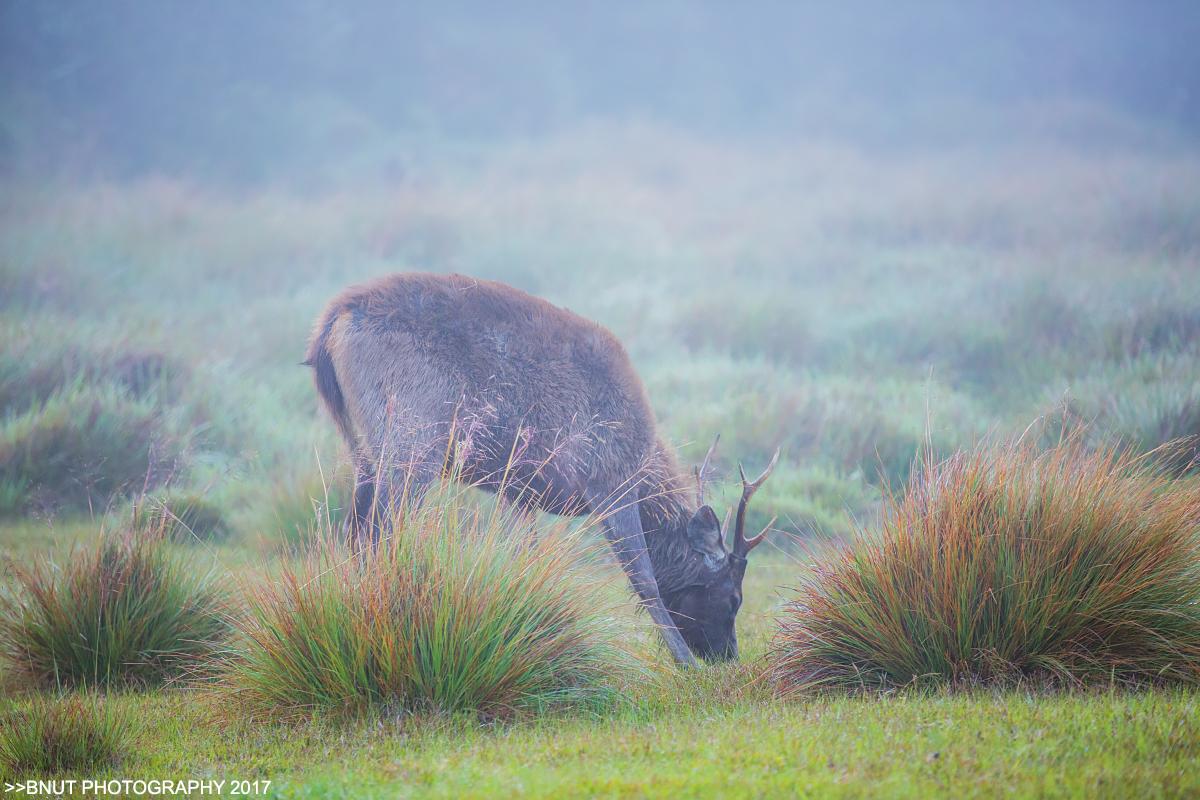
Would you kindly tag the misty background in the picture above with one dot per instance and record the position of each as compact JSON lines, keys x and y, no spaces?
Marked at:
{"x":242,"y":93}
{"x":855,"y":230}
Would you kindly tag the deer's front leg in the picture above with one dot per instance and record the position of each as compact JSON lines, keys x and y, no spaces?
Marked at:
{"x":623,"y":529}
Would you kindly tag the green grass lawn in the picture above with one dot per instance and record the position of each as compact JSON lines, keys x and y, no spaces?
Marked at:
{"x":1119,"y":746}
{"x":852,"y":308}
{"x":669,"y":740}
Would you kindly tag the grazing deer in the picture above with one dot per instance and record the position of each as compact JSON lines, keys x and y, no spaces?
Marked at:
{"x":535,"y":403}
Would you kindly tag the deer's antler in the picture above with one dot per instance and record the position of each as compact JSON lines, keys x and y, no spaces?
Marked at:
{"x":700,"y":473}
{"x":742,"y":546}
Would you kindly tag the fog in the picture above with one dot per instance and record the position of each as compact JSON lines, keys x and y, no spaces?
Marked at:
{"x":245,"y":93}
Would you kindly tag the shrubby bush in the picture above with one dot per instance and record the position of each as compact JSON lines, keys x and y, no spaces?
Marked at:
{"x":30,"y":375}
{"x":847,"y":425}
{"x":1152,"y":329}
{"x":80,"y":426}
{"x":764,"y":329}
{"x":1146,"y":405}
{"x":811,"y":502}
{"x":1002,"y":341}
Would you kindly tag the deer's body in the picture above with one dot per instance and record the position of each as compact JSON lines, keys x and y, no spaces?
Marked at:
{"x":535,"y":401}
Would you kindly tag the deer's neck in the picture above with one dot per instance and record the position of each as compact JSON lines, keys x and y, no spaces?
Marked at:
{"x":665,"y":508}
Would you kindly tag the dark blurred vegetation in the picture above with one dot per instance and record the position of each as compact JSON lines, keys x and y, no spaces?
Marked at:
{"x":329,"y":89}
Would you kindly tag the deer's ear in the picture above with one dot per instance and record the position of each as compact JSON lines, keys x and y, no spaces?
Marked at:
{"x":704,"y":535}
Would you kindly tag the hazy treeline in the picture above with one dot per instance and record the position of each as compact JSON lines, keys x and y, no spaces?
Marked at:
{"x":236,"y":92}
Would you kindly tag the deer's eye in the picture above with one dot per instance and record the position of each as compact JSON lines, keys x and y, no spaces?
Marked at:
{"x":735,"y":603}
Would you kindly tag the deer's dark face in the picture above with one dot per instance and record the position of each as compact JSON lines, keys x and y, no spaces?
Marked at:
{"x":706,"y":613}
{"x":706,"y":610}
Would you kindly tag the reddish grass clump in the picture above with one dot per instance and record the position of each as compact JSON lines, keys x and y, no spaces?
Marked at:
{"x":450,"y":613}
{"x":47,"y":735}
{"x":130,"y":611}
{"x":1005,"y":564}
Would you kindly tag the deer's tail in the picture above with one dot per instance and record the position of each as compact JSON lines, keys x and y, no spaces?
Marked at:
{"x":325,"y":377}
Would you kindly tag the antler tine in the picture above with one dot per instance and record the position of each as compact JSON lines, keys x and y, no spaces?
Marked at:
{"x":748,"y":489}
{"x":741,"y":547}
{"x":725,"y":524}
{"x":757,"y":540}
{"x":700,"y":472}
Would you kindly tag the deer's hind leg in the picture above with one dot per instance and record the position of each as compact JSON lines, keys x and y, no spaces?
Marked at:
{"x":411,"y":461}
{"x":359,"y":522}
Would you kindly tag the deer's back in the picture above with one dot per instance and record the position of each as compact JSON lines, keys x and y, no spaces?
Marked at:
{"x":509,"y":365}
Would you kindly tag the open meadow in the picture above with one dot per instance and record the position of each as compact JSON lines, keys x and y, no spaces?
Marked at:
{"x":872,"y":314}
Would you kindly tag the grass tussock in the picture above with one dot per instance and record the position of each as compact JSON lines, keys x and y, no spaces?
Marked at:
{"x":1159,"y":416}
{"x":766,"y":329}
{"x":33,"y":371}
{"x":47,"y":735}
{"x":185,"y":518}
{"x":128,"y":612}
{"x":452,"y":613}
{"x":80,"y":449}
{"x":1005,"y":564}
{"x":84,"y":423}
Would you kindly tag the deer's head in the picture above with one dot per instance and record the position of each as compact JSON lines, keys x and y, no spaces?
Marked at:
{"x":706,"y":609}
